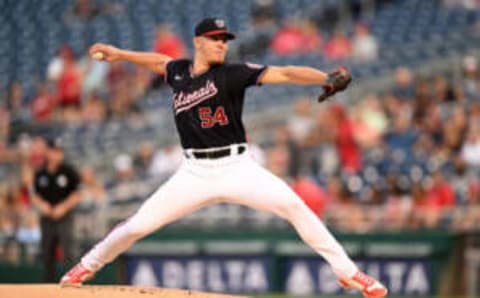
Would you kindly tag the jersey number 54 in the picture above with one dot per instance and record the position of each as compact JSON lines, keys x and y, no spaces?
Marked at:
{"x":209,"y":119}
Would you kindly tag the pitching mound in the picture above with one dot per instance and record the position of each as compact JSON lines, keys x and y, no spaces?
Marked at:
{"x":55,"y":291}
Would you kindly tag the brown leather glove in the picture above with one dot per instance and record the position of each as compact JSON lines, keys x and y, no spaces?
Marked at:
{"x":337,"y":81}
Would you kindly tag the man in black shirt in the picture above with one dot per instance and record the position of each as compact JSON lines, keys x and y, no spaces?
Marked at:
{"x":207,"y":104}
{"x":55,"y":195}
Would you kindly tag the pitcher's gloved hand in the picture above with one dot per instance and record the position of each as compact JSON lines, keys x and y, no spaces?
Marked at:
{"x":337,"y":81}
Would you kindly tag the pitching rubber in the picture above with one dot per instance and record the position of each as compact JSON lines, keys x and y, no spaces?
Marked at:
{"x":56,"y":291}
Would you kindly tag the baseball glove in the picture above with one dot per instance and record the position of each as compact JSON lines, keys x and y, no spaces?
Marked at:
{"x":337,"y":81}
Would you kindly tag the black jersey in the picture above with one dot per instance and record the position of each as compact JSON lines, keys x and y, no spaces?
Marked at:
{"x":208,"y":107}
{"x":56,"y":187}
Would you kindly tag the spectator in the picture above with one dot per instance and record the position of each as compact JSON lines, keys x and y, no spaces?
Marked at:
{"x":371,"y":122}
{"x":4,"y":124}
{"x":365,"y":45}
{"x":467,"y":188}
{"x":83,"y":10}
{"x":15,"y":104}
{"x":126,"y":186}
{"x":327,"y":16}
{"x":166,"y":161}
{"x":425,"y":213}
{"x":301,"y":127}
{"x":455,"y":130}
{"x":463,"y":182}
{"x":43,"y":105}
{"x":138,"y":83}
{"x":124,"y":174}
{"x":29,"y":235}
{"x":288,"y":40}
{"x":278,"y":161}
{"x":474,"y":117}
{"x":71,"y":116}
{"x":403,"y":135}
{"x":167,"y":43}
{"x":144,"y":158}
{"x":463,"y":4}
{"x":258,"y":37}
{"x":423,"y":147}
{"x":116,"y":77}
{"x":69,"y":81}
{"x":404,"y":88}
{"x":56,"y":66}
{"x":473,"y":194}
{"x":347,"y":147}
{"x":263,"y":11}
{"x":120,"y":103}
{"x":25,"y":188}
{"x":312,"y":39}
{"x":5,"y":153}
{"x":345,"y":213}
{"x":321,"y":142}
{"x":297,"y":37}
{"x":334,"y":190}
{"x":15,"y":98}
{"x":471,"y":81}
{"x":312,"y":194}
{"x":255,"y":43}
{"x":432,"y":123}
{"x":92,"y":191}
{"x":391,"y":105}
{"x":6,"y":227}
{"x":441,"y":192}
{"x":287,"y":151}
{"x":338,"y":47}
{"x":301,"y":123}
{"x":94,"y":75}
{"x":11,"y":251}
{"x":471,"y":147}
{"x":423,"y":103}
{"x":38,"y":153}
{"x":94,"y":111}
{"x":13,"y":209}
{"x":443,"y":92}
{"x":397,"y":206}
{"x":322,"y":148}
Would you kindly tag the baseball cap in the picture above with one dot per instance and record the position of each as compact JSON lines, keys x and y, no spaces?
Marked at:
{"x":211,"y":27}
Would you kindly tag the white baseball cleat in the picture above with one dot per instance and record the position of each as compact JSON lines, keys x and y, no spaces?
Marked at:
{"x":76,"y":276}
{"x":369,"y":286}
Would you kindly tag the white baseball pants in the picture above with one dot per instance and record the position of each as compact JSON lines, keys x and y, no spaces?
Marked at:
{"x":234,"y":179}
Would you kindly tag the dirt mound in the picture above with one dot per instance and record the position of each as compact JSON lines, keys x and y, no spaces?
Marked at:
{"x":55,"y":291}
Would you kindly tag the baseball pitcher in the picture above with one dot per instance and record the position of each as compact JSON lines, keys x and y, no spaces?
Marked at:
{"x":207,"y":105}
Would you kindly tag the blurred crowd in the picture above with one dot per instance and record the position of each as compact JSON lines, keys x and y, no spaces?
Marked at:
{"x":319,"y":34}
{"x":78,"y":90}
{"x":404,"y":159}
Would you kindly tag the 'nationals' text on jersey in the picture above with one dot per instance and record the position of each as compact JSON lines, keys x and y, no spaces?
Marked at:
{"x":208,"y":107}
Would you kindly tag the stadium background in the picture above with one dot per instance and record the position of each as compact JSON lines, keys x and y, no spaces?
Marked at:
{"x":392,"y":165}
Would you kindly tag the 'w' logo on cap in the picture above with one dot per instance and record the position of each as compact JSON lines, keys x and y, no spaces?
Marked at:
{"x":220,"y":23}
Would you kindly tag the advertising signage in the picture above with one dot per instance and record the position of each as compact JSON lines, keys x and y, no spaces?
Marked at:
{"x":305,"y":276}
{"x":246,"y":275}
